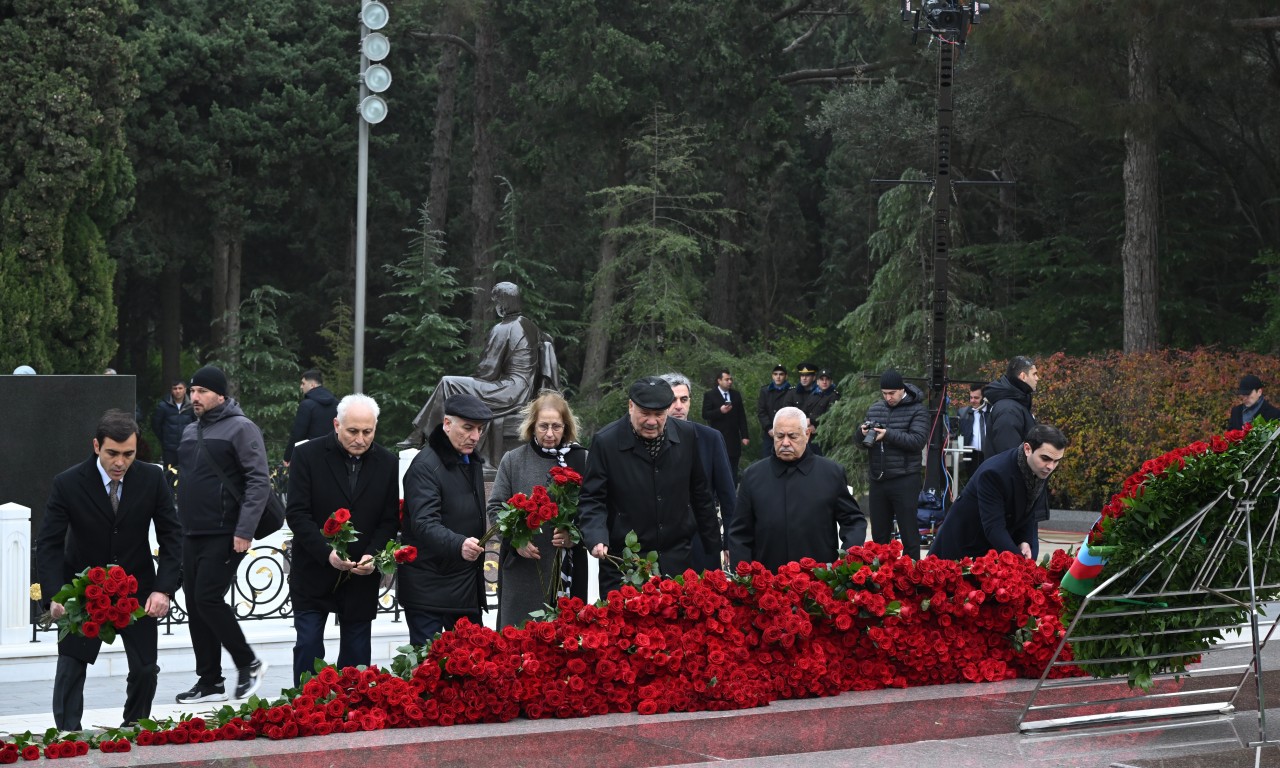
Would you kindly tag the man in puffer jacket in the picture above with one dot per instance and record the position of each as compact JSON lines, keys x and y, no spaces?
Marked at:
{"x":899,"y":427}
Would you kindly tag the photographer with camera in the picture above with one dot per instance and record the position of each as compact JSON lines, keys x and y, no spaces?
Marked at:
{"x":895,"y":432}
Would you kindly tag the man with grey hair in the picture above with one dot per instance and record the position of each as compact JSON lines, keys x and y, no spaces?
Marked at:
{"x":715,"y":460}
{"x":343,"y":470}
{"x":504,"y":380}
{"x":792,"y":504}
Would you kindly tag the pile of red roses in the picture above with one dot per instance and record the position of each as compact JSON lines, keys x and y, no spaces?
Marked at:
{"x":713,"y":641}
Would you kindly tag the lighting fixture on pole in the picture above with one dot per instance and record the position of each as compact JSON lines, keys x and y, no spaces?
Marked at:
{"x":374,"y":79}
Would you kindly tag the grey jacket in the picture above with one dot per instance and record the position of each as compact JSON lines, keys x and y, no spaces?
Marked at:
{"x":205,"y":506}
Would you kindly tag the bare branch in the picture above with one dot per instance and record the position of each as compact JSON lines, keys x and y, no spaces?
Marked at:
{"x":800,"y":40}
{"x":789,"y":12}
{"x":1262,"y":22}
{"x":437,"y":37}
{"x":850,"y":72}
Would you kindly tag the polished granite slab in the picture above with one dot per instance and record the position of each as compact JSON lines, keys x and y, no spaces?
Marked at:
{"x":954,"y":726}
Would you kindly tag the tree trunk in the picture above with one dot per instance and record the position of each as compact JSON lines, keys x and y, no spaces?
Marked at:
{"x":484,"y":196}
{"x":228,"y":247}
{"x":1141,"y":198}
{"x":724,"y":287}
{"x":218,"y":299}
{"x":595,"y":356}
{"x":235,"y":261}
{"x":442,"y":135}
{"x":171,"y":322}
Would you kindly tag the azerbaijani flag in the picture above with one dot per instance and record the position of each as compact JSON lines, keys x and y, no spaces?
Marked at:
{"x":1083,"y":574}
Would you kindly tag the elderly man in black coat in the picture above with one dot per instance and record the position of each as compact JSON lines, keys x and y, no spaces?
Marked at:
{"x":444,"y":517}
{"x":997,"y":509}
{"x":791,"y":505}
{"x":343,"y":470}
{"x":644,"y":474}
{"x":100,"y":512}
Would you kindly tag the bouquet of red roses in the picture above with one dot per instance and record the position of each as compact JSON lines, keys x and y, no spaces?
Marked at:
{"x":339,"y":531}
{"x":522,"y":516}
{"x":99,"y":602}
{"x":394,"y":554}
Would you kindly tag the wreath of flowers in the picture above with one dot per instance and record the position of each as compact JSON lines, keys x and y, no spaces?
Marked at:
{"x":1153,"y":502}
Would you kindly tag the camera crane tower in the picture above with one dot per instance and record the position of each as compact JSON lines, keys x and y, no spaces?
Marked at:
{"x":949,"y":23}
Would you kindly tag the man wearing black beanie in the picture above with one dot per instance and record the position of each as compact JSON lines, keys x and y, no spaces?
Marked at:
{"x":223,"y":447}
{"x":894,"y":434}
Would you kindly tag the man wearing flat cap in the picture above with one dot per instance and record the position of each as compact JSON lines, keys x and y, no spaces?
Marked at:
{"x":1252,"y":404}
{"x":444,"y":517}
{"x":774,"y":396}
{"x":644,"y":474}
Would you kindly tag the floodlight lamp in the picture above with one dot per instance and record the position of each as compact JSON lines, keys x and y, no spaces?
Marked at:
{"x":377,"y":78}
{"x":373,"y":109}
{"x":375,"y":46}
{"x":374,"y":15}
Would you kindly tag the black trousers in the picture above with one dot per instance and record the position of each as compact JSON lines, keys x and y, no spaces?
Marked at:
{"x":209,"y":566}
{"x":139,"y":640}
{"x":896,"y":499}
{"x":672,"y":561}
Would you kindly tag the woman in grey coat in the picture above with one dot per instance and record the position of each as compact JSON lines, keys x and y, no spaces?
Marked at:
{"x":549,"y":430}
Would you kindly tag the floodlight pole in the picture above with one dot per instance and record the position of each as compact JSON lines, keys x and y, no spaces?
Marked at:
{"x":362,"y":215}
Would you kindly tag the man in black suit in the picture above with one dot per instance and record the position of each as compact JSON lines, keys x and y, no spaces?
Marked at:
{"x":644,"y":473}
{"x":344,"y":469}
{"x":100,"y":512}
{"x":722,"y":409}
{"x":973,"y":428}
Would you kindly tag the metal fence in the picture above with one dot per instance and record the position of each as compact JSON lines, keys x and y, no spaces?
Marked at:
{"x":261,"y":591}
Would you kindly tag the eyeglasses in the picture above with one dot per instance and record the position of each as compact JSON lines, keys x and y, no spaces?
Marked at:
{"x":549,"y":427}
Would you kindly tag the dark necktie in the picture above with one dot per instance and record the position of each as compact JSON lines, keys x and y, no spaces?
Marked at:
{"x":726,"y":396}
{"x":113,"y":491}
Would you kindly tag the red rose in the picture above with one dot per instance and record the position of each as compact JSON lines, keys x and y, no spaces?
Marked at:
{"x":116,"y":573}
{"x":342,"y":515}
{"x":90,"y":629}
{"x":332,"y":527}
{"x":406,"y":554}
{"x":123,"y":745}
{"x":79,"y":748}
{"x":31,"y":752}
{"x":107,"y":746}
{"x":97,"y":575}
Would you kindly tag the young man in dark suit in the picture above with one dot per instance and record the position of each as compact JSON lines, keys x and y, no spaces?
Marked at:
{"x":345,"y":469}
{"x":722,"y":410}
{"x":100,"y":512}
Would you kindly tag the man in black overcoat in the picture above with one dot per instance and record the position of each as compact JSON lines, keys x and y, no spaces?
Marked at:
{"x":644,"y":474}
{"x":343,"y":470}
{"x":998,"y":507}
{"x":793,"y":504}
{"x":100,"y":512}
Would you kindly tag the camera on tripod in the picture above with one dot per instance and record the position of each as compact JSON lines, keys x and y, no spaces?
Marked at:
{"x":945,"y":16}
